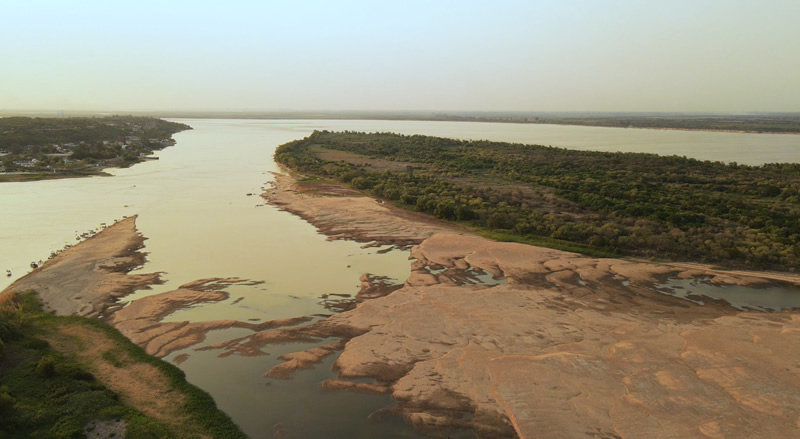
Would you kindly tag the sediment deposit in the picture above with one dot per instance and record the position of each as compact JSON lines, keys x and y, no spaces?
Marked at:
{"x":502,"y":338}
{"x":86,"y":279}
{"x":567,"y":346}
{"x":341,"y":213}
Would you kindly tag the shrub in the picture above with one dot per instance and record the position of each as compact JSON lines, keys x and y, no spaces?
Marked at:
{"x":46,"y":367}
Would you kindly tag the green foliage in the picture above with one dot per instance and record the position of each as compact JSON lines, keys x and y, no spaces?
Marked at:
{"x":46,"y":367}
{"x":198,"y":405}
{"x":618,"y":203}
{"x":52,"y":147}
{"x":6,"y":401}
{"x":49,"y":395}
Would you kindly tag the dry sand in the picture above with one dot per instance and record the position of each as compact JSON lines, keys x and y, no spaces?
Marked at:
{"x":342,"y":213}
{"x":568,"y":346}
{"x":87,"y":278}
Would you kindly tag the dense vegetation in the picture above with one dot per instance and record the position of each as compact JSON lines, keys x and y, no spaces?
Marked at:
{"x":47,"y":394}
{"x":47,"y":147}
{"x":623,"y":203}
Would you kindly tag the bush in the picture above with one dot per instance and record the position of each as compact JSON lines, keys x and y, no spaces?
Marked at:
{"x":46,"y":367}
{"x":6,"y":401}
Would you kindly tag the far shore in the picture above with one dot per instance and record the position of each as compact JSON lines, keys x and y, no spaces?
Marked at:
{"x":790,"y":122}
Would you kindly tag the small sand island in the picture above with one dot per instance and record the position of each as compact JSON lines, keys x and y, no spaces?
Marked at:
{"x":506,"y":339}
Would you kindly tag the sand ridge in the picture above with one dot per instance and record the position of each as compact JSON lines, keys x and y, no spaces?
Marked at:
{"x":344,"y":214}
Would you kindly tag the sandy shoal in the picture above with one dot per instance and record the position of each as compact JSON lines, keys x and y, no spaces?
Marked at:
{"x":567,"y":346}
{"x":92,"y":278}
{"x":87,"y":278}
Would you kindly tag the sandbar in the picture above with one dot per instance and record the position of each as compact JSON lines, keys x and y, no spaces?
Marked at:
{"x":565,"y":346}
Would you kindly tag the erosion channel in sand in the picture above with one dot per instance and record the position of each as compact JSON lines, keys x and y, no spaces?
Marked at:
{"x":550,"y":344}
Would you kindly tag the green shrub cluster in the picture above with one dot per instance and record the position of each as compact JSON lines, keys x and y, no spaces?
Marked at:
{"x":48,"y":395}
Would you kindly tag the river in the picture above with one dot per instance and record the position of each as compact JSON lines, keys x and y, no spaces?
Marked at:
{"x":198,"y":206}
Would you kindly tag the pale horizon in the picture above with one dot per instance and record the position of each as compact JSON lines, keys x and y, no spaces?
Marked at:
{"x":579,"y":56}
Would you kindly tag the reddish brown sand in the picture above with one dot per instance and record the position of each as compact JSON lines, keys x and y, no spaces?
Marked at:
{"x":564,"y":348}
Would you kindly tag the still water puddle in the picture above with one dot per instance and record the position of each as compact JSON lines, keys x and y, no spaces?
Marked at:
{"x":701,"y":290}
{"x":469,"y":276}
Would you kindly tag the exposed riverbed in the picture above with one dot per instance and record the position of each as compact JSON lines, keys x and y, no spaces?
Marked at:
{"x":194,"y":208}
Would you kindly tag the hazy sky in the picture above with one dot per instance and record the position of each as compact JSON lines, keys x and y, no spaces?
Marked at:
{"x":638,"y":55}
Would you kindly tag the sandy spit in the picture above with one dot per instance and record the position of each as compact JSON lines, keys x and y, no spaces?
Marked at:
{"x":88,"y":278}
{"x":92,"y":279}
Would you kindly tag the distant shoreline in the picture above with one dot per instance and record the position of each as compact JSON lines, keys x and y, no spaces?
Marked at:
{"x":757,"y":123}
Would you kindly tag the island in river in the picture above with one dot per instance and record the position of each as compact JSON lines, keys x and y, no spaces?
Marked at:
{"x":46,"y":148}
{"x":600,"y":203}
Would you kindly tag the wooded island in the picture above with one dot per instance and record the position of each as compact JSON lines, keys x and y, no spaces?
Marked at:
{"x":598,"y":203}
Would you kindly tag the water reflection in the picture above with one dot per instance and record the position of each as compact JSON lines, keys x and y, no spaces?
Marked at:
{"x":700,"y":290}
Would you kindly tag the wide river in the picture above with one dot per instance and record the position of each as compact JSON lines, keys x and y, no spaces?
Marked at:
{"x":197,"y":209}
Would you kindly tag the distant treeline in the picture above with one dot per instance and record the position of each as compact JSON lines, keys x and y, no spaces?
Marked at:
{"x":623,"y":203}
{"x":19,"y":135}
{"x":752,"y":124}
{"x":40,"y":148}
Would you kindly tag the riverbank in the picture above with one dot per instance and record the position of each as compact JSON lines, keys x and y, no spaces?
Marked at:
{"x":52,"y":148}
{"x":77,"y":377}
{"x":559,"y":344}
{"x":363,"y":219}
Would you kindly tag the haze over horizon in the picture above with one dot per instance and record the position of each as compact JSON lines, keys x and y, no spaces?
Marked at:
{"x":681,"y":56}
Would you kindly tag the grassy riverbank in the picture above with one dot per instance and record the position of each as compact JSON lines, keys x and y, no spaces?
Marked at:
{"x":60,"y":374}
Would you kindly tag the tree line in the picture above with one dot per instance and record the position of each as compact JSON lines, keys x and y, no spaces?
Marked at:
{"x":625,"y":203}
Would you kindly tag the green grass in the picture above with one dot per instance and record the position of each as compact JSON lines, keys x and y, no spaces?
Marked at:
{"x":314,"y":179}
{"x":45,"y":394}
{"x":542,"y":241}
